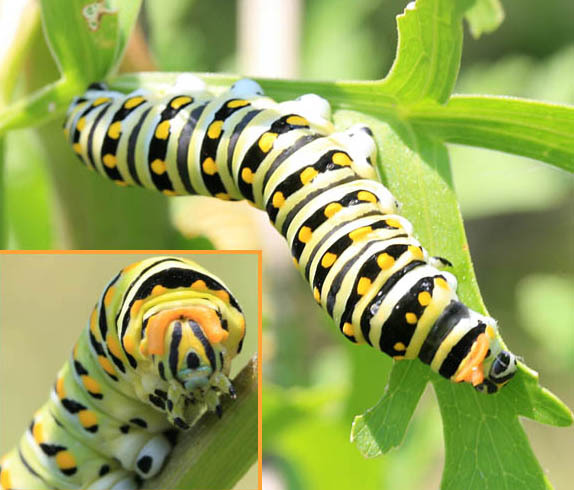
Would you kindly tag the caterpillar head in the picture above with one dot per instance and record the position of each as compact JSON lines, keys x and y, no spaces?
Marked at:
{"x":488,"y":366}
{"x":501,"y":367}
{"x":191,"y":352}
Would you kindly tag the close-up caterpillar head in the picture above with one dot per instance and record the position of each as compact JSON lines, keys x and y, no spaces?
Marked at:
{"x":180,"y":328}
{"x":487,"y":366}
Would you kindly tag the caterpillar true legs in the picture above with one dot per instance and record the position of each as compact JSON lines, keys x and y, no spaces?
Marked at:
{"x":319,"y":190}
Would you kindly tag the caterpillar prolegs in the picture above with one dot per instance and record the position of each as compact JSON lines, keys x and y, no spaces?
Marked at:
{"x":156,"y":353}
{"x":319,"y":189}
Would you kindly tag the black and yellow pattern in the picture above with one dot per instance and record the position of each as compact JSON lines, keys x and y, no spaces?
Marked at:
{"x":319,"y":190}
{"x":155,"y":354}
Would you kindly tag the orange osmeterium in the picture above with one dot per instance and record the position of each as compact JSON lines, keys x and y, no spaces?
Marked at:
{"x":204,"y":316}
{"x":472,"y":371}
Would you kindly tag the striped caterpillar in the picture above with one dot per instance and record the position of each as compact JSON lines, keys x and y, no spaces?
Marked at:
{"x":319,"y":189}
{"x":156,"y":353}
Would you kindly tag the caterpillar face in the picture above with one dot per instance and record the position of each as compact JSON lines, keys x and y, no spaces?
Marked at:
{"x":188,"y":347}
{"x":319,"y":188}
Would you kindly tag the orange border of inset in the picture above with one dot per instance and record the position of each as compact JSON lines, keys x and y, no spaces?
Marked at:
{"x":259,"y":254}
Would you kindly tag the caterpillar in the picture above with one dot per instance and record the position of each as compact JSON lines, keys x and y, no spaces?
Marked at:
{"x":155,"y":354}
{"x":319,"y":189}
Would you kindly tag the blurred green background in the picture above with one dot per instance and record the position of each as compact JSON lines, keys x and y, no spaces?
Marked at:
{"x":46,"y":300}
{"x":519,"y":216}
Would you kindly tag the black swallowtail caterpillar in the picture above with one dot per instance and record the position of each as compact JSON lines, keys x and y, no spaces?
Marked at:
{"x":156,"y":353}
{"x":319,"y":189}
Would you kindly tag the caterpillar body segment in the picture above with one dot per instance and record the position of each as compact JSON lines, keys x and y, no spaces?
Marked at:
{"x":155,"y":354}
{"x":319,"y":189}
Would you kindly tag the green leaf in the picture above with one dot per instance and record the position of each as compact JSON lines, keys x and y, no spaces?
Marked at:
{"x":83,"y":55}
{"x":383,"y":427}
{"x":416,"y":170}
{"x":485,"y":16}
{"x":80,"y":31}
{"x":196,"y":461}
{"x":532,"y":129}
{"x":428,"y":53}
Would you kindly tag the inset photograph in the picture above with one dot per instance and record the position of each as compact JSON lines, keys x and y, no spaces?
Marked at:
{"x":129,"y":370}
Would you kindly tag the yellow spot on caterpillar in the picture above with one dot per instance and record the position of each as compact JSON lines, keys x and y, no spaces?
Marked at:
{"x":441,"y":283}
{"x":81,"y":124}
{"x":199,"y":284}
{"x":121,"y":183}
{"x":60,"y":388}
{"x":130,"y":267}
{"x":223,"y":295}
{"x":305,"y":234}
{"x":308,"y":175}
{"x":266,"y":141}
{"x":91,"y":384}
{"x":214,"y":130}
{"x":158,"y":166}
{"x":136,"y":306}
{"x":180,"y":101}
{"x":106,"y":364}
{"x":332,"y":209}
{"x":348,"y":329}
{"x":37,"y":432}
{"x":77,"y":147}
{"x":399,"y":346}
{"x":133,"y":102}
{"x":247,"y":175}
{"x":114,"y":346}
{"x":223,"y":195}
{"x":100,"y":101}
{"x":65,"y":460}
{"x":398,"y":358}
{"x":360,"y":233}
{"x":109,"y":295}
{"x":94,"y":321}
{"x":393,"y":222}
{"x":114,"y":130}
{"x":411,"y":318}
{"x":363,"y":285}
{"x":385,"y":261}
{"x":129,"y":344}
{"x":278,"y":199}
{"x":328,"y":260}
{"x":158,"y":289}
{"x":5,"y":479}
{"x":366,"y":196}
{"x":110,"y":160}
{"x":162,"y":130}
{"x":297,"y":121}
{"x":317,"y":295}
{"x":233,"y":104}
{"x":490,"y":332}
{"x":169,"y":192}
{"x":296,"y":262}
{"x":87,"y":418}
{"x":341,"y":159}
{"x":416,"y":252}
{"x":424,"y":298}
{"x":209,"y":166}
